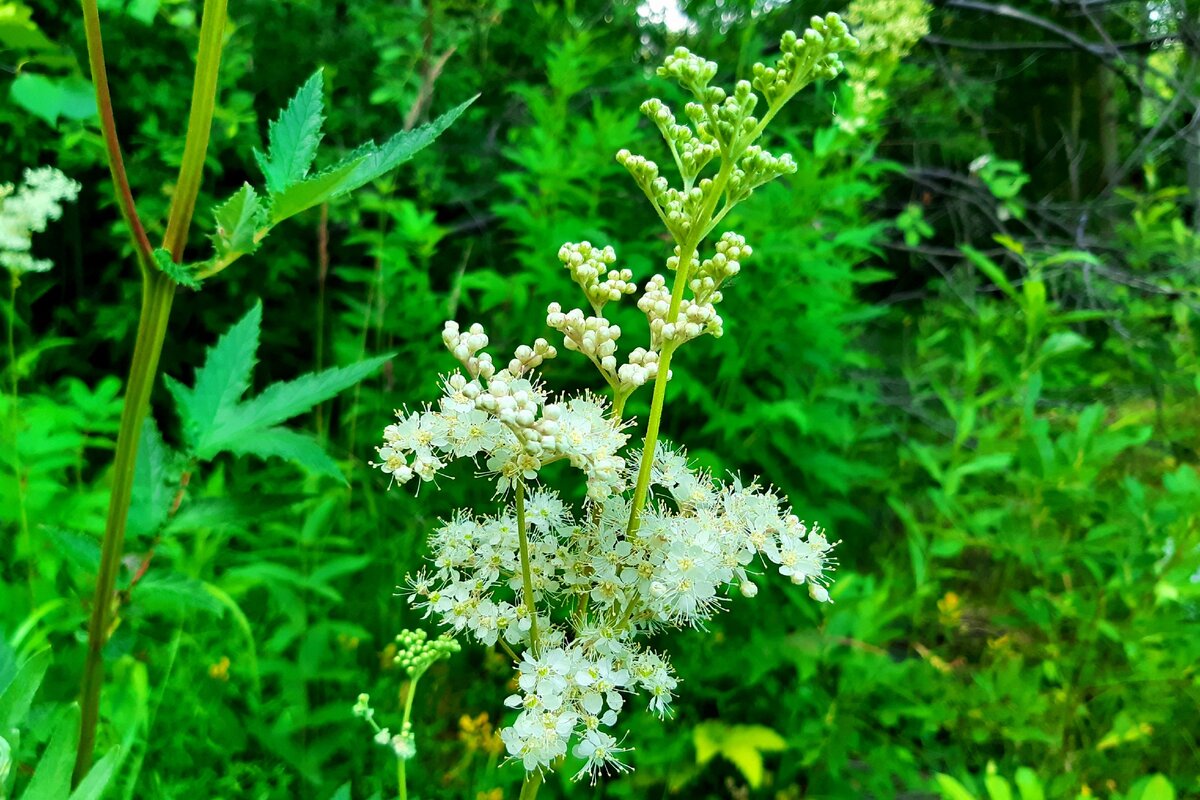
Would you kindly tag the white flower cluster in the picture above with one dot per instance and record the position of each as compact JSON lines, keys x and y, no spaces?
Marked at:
{"x":26,"y":210}
{"x":575,"y":592}
{"x":588,"y":265}
{"x":508,"y":419}
{"x":695,"y":543}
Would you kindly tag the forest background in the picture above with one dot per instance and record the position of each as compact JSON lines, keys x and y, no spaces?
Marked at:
{"x":966,"y":346}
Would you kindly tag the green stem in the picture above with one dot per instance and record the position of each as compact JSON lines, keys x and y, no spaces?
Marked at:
{"x":158,"y":293}
{"x":526,"y":575}
{"x":401,"y":763}
{"x":529,"y":788}
{"x":112,"y":144}
{"x":18,"y":469}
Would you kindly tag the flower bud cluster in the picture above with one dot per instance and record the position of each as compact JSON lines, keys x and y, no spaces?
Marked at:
{"x":26,"y":210}
{"x":806,"y":58}
{"x":416,"y":652}
{"x":692,"y":152}
{"x":680,"y":209}
{"x":403,"y":745}
{"x":689,"y":70}
{"x":641,"y":369}
{"x":755,"y":168}
{"x":467,"y":348}
{"x":588,"y":265}
{"x":507,"y":418}
{"x":706,"y":278}
{"x":694,"y":318}
{"x":595,"y":337}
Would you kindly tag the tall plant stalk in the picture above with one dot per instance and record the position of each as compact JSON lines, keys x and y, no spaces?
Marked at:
{"x":158,"y":293}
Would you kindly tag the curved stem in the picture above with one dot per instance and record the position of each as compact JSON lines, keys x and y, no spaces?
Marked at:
{"x":116,"y":164}
{"x":526,"y":575}
{"x":158,"y":293}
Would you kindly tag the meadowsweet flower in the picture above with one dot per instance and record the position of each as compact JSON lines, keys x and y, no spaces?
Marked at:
{"x":574,"y":591}
{"x":26,"y":210}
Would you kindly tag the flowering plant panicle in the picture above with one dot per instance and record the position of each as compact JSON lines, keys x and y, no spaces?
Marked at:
{"x":25,"y":210}
{"x":570,"y":594}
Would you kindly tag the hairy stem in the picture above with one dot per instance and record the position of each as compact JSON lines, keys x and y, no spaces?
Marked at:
{"x":158,"y":293}
{"x":526,"y":575}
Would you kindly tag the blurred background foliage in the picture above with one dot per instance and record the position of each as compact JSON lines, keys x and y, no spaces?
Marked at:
{"x":966,"y":345}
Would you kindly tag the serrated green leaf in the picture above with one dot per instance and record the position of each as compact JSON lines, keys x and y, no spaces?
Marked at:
{"x":308,"y":193}
{"x":150,"y":502}
{"x":183,"y":274}
{"x":52,"y":776}
{"x":17,"y":696}
{"x":174,"y":594}
{"x":377,"y":161}
{"x":238,"y":219}
{"x":223,"y":379}
{"x":292,"y":139}
{"x":280,"y":402}
{"x":208,"y":512}
{"x":290,"y":446}
{"x":80,"y":549}
{"x":92,"y":787}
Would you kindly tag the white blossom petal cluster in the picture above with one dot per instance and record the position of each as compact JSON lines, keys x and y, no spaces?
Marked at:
{"x":697,"y":541}
{"x":507,"y":419}
{"x":572,"y":593}
{"x":27,"y":210}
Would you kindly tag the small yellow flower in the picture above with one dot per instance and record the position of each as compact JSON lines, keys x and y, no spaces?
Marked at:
{"x":950,"y":610}
{"x":220,"y":670}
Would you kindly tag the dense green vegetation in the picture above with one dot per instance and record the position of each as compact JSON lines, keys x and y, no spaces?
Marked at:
{"x":965,"y":344}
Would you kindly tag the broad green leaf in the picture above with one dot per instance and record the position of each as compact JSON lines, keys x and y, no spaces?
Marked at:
{"x":280,"y":402}
{"x":223,"y":379}
{"x":951,"y":789}
{"x":1157,"y":788}
{"x":53,"y":98}
{"x":991,"y":270}
{"x":997,"y":787}
{"x":313,"y":191}
{"x":238,"y":219}
{"x":152,"y":494}
{"x":293,"y":138}
{"x":1028,"y":785}
{"x":374,"y":162}
{"x":52,"y":775}
{"x":175,"y":595}
{"x":290,"y":446}
{"x":182,"y":274}
{"x":17,"y":696}
{"x":92,"y":787}
{"x":18,"y":31}
{"x":742,"y":745}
